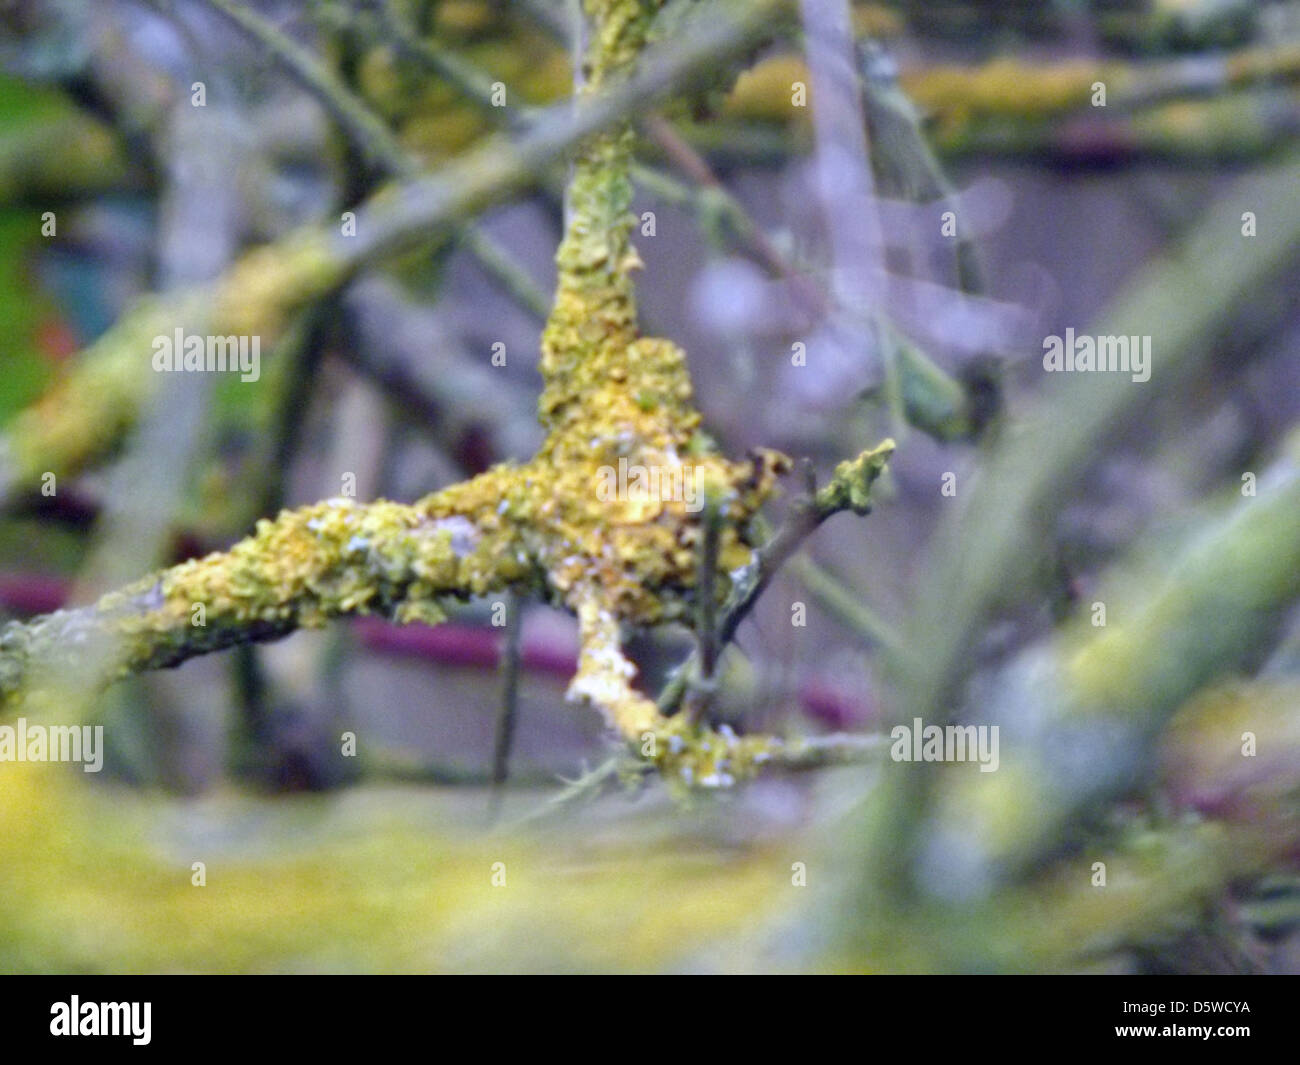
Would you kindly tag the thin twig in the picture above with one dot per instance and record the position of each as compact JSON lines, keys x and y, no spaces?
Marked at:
{"x":590,"y":785}
{"x":703,"y":683}
{"x":815,"y":752}
{"x":752,"y":238}
{"x":506,"y":716}
{"x":848,"y":490}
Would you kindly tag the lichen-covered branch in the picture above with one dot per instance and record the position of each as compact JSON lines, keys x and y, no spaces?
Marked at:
{"x":305,"y":567}
{"x":568,"y":524}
